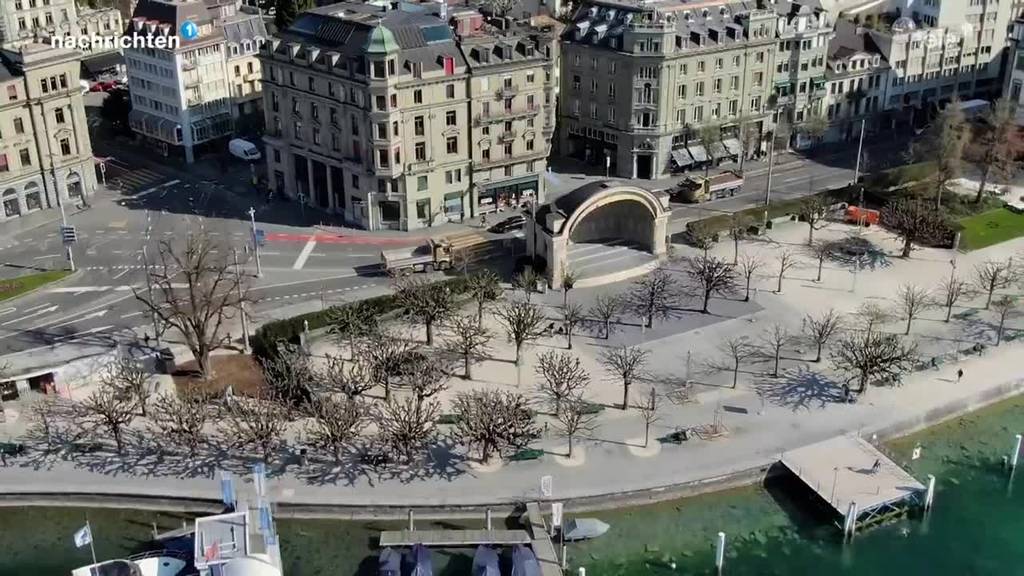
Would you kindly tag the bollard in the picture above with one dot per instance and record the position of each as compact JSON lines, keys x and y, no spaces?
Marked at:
{"x":582,"y":571}
{"x":929,"y":496}
{"x":1016,"y":451}
{"x":720,"y":552}
{"x":412,"y":524}
{"x":488,"y":518}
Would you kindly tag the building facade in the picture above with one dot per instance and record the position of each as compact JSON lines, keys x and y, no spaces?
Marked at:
{"x":35,"y":21}
{"x":394,"y":119}
{"x":45,"y":154}
{"x":1013,"y":86}
{"x":857,"y":83}
{"x":185,"y":99}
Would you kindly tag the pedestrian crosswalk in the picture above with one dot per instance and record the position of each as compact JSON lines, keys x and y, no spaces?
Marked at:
{"x":133,"y":181}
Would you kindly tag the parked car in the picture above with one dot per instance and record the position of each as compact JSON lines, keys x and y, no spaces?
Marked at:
{"x":244,"y":149}
{"x":103,"y":86}
{"x":509,"y":224}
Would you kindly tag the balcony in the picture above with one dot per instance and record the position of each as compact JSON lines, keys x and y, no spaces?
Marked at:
{"x":253,"y":76}
{"x":193,"y":81}
{"x":502,"y":114}
{"x":507,"y":136}
{"x":507,"y":91}
{"x":419,"y":166}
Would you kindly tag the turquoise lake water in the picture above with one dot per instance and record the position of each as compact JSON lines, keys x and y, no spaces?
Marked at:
{"x":976,"y":527}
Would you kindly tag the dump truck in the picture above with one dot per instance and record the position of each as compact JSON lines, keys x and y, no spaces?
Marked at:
{"x":435,"y":254}
{"x":701,"y":188}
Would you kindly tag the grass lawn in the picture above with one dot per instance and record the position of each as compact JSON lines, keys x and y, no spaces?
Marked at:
{"x":18,"y":286}
{"x":990,"y":228}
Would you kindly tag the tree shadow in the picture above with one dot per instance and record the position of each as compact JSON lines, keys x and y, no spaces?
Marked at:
{"x":800,"y":389}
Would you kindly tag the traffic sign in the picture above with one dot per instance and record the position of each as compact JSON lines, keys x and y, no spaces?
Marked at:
{"x":68,"y":234}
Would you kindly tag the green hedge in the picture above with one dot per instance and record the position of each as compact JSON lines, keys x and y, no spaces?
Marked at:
{"x":722,"y":222}
{"x":264,"y":341}
{"x":900,"y":175}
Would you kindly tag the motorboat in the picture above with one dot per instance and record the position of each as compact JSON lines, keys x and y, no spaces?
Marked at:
{"x":389,"y":563}
{"x":485,"y":562}
{"x":159,"y":563}
{"x":422,"y":563}
{"x":524,"y":562}
{"x":583,"y":529}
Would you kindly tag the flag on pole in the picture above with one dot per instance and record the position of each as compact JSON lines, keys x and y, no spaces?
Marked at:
{"x":83,"y":537}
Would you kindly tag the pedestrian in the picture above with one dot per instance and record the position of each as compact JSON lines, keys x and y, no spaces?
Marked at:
{"x":876,"y":466}
{"x":3,"y":458}
{"x":959,"y":374}
{"x":146,"y":338}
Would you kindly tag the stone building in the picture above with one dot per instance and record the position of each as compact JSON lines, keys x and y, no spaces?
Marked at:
{"x":657,"y":86}
{"x":36,"y":21}
{"x":45,"y":154}
{"x":185,"y":99}
{"x":857,"y":83}
{"x":385,"y":114}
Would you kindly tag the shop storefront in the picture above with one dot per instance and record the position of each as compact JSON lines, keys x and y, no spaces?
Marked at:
{"x":507,"y":194}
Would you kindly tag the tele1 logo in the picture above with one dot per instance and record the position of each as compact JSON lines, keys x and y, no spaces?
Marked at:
{"x":189,"y":30}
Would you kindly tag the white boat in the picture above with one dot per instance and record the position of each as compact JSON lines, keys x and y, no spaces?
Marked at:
{"x":161,"y":563}
{"x":583,"y":529}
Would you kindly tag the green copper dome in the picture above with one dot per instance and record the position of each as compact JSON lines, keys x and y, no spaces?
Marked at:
{"x":381,"y":41}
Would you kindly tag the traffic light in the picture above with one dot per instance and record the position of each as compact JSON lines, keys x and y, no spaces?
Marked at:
{"x":68,"y":234}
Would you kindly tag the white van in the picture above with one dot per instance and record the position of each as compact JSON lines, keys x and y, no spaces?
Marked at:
{"x":244,"y":149}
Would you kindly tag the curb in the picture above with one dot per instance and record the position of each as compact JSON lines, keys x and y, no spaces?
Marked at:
{"x":63,"y":280}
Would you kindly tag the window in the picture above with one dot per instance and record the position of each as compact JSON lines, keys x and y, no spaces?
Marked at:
{"x":450,"y":118}
{"x":485,"y":154}
{"x":611,"y":67}
{"x":3,"y":163}
{"x":718,"y":63}
{"x":718,"y":86}
{"x":12,"y":93}
{"x":530,"y":77}
{"x":421,"y":184}
{"x":25,"y":156}
{"x":449,"y":91}
{"x":423,"y":209}
{"x":417,"y":126}
{"x":312,"y":81}
{"x":508,"y":149}
{"x":734,"y":83}
{"x":575,"y":81}
{"x":19,"y":126}
{"x":382,"y":130}
{"x":700,"y":66}
{"x":355,"y":181}
{"x":58,"y":115}
{"x":45,"y":87}
{"x":420,"y":151}
{"x":452,"y":144}
{"x":593,"y":110}
{"x":297,"y":130}
{"x":529,"y":145}
{"x":417,"y":96}
{"x":611,"y":114}
{"x":316,"y":136}
{"x":593,"y":85}
{"x":698,"y":89}
{"x":383,"y":157}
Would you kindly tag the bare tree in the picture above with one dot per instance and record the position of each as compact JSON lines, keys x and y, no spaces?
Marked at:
{"x":290,"y":374}
{"x":572,"y":317}
{"x":913,"y":222}
{"x":111,"y":409}
{"x":406,"y":426}
{"x":605,"y":311}
{"x":992,"y":275}
{"x":712,"y":276}
{"x":775,"y":338}
{"x":425,"y":376}
{"x":821,"y":251}
{"x":569,"y":278}
{"x":627,"y":363}
{"x":951,"y":291}
{"x":813,"y":210}
{"x":786,"y":260}
{"x":737,"y":349}
{"x":430,"y":303}
{"x":870,"y":315}
{"x":997,"y":145}
{"x":872,"y":355}
{"x":912,"y":302}
{"x":701,"y":236}
{"x":469,"y":340}
{"x":45,"y":415}
{"x":494,"y":421}
{"x":352,"y":379}
{"x":335,"y":424}
{"x":483,"y":287}
{"x":257,"y":422}
{"x":738,"y":225}
{"x":195,"y":290}
{"x":351,"y":321}
{"x":821,"y":328}
{"x":129,"y":378}
{"x":562,"y":377}
{"x":522,"y":322}
{"x":574,"y":419}
{"x":180,"y":420}
{"x":748,"y":266}
{"x":650,"y":411}
{"x":1004,"y":306}
{"x":526,"y":281}
{"x":943,"y":143}
{"x":387,"y":354}
{"x":654,"y":295}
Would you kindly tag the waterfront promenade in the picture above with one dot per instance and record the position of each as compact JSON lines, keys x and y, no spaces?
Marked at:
{"x":764,"y":416}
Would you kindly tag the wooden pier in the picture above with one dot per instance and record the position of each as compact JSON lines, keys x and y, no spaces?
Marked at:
{"x":856,"y":479}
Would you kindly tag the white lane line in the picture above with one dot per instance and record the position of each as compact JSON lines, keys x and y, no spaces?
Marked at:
{"x":83,"y":333}
{"x":130,"y":315}
{"x":122,"y":273}
{"x":304,"y":255}
{"x":155,"y":188}
{"x":86,"y":317}
{"x":36,"y":307}
{"x":27,"y":316}
{"x":6,"y":311}
{"x":44,"y":257}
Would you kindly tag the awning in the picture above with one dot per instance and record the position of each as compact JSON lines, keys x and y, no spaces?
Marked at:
{"x":717,"y":150}
{"x":733,"y":146}
{"x":103,"y":62}
{"x":698,"y":152}
{"x":682,"y":158}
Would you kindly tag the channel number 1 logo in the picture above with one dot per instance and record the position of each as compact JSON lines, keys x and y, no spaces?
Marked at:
{"x":189,"y":30}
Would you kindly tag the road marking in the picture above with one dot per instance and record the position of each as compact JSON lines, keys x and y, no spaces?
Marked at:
{"x":46,"y":256}
{"x":122,"y":273}
{"x":7,"y":311}
{"x":86,"y":317}
{"x":265,"y":253}
{"x":304,"y":255}
{"x":27,"y":316}
{"x":130,"y":315}
{"x":37,"y":307}
{"x":83,"y":333}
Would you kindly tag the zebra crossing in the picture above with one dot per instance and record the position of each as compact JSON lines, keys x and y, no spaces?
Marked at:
{"x":134,"y":181}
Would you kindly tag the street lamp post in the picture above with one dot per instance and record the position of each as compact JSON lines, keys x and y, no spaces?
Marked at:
{"x":255,"y":242}
{"x":149,"y":290}
{"x":768,"y":185}
{"x":241,"y":304}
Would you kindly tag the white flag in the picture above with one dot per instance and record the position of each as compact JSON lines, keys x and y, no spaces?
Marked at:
{"x":83,"y":536}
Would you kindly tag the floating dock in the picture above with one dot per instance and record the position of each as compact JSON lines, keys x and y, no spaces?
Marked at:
{"x":856,"y":479}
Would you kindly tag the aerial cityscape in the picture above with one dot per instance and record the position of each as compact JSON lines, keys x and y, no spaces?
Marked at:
{"x":520,"y":287}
